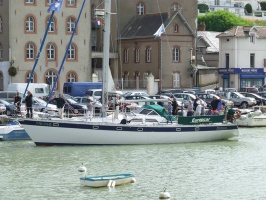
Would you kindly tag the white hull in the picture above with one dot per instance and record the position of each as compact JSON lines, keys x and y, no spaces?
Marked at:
{"x":47,"y":132}
{"x":253,"y":121}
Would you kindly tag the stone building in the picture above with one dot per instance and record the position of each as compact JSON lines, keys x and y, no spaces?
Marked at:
{"x":167,"y":58}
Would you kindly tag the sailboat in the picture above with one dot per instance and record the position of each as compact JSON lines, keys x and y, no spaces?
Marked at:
{"x":148,"y":126}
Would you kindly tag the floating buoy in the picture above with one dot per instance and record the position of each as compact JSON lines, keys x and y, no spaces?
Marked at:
{"x":133,"y":180}
{"x":164,"y":195}
{"x":82,"y":168}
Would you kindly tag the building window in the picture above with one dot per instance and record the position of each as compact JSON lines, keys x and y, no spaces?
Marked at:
{"x":227,"y":60}
{"x":125,"y":79}
{"x":140,"y":8}
{"x":71,"y":55}
{"x":71,"y":77}
{"x":30,"y":51}
{"x":217,"y":2}
{"x":176,"y":28}
{"x":30,"y":24}
{"x":176,"y":54}
{"x":71,"y":3}
{"x":252,"y":39}
{"x":126,"y":55}
{"x":48,"y":2}
{"x":1,"y":25}
{"x":148,"y":54}
{"x":252,"y":60}
{"x":30,"y":2}
{"x":176,"y":80}
{"x":28,"y":78}
{"x":52,"y":25}
{"x":51,"y":52}
{"x":70,"y":24}
{"x":51,"y":77}
{"x":137,"y":52}
{"x":1,"y":52}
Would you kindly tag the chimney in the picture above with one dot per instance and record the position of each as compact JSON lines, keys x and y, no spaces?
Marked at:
{"x":202,"y":27}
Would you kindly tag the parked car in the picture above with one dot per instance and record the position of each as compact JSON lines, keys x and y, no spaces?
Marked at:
{"x":259,"y":99}
{"x":165,"y":103}
{"x":263,"y":94}
{"x":2,"y":108}
{"x":206,"y":97}
{"x":241,"y":101}
{"x":249,"y":89}
{"x":9,"y":95}
{"x":84,"y":101}
{"x":40,"y":105}
{"x":135,"y":93}
{"x":169,"y":92}
{"x":11,"y":109}
{"x":184,"y":98}
{"x":71,"y":106}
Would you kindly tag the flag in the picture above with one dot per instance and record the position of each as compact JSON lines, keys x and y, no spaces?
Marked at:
{"x":99,"y":22}
{"x":55,"y":6}
{"x":160,"y":31}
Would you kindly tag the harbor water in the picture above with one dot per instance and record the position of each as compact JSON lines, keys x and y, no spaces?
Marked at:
{"x":234,"y":169}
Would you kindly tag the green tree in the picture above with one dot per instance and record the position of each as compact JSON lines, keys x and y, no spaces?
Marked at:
{"x":222,"y":20}
{"x":263,"y":5}
{"x":248,"y":8}
{"x":203,"y":8}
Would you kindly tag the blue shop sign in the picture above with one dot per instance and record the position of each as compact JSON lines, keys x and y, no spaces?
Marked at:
{"x":226,"y":70}
{"x":249,"y":71}
{"x":240,"y":71}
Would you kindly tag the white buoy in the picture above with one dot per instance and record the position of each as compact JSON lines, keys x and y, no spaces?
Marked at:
{"x":82,"y":168}
{"x":164,"y":195}
{"x":133,"y":180}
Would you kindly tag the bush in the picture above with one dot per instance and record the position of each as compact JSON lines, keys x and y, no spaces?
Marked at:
{"x":248,"y":8}
{"x":263,"y":5}
{"x":203,"y":8}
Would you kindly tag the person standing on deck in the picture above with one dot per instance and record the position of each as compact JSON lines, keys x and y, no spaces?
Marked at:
{"x":17,"y":102}
{"x":28,"y":102}
{"x":89,"y":109}
{"x":169,"y":110}
{"x":60,"y":103}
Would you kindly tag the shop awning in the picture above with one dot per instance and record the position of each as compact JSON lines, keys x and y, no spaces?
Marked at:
{"x":253,"y":76}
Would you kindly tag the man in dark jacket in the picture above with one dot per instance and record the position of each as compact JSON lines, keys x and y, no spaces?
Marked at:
{"x":60,"y":103}
{"x":17,"y":102}
{"x":28,"y":102}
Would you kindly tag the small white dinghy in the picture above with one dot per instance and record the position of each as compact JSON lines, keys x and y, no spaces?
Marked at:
{"x":105,"y":180}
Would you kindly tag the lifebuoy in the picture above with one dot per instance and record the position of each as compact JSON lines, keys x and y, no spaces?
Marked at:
{"x":237,"y":114}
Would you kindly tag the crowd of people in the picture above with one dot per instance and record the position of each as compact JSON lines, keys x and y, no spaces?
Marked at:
{"x":195,"y":108}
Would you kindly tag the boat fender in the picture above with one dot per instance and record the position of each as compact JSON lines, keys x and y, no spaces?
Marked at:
{"x":243,"y":117}
{"x":257,"y":113}
{"x":237,"y":114}
{"x":133,"y":180}
{"x":109,"y":183}
{"x":164,"y":195}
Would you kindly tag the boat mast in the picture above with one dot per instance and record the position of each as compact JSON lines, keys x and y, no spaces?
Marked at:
{"x":106,"y":47}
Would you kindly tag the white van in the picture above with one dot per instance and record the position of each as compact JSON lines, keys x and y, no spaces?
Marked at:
{"x":37,"y":89}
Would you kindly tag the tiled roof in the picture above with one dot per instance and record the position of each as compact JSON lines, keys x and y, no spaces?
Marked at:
{"x":244,"y":31}
{"x":144,"y":26}
{"x":210,"y":38}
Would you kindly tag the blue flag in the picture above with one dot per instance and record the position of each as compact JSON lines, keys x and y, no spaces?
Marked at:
{"x":55,"y":6}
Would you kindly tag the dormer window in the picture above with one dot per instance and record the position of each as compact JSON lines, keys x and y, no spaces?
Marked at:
{"x":140,"y":9}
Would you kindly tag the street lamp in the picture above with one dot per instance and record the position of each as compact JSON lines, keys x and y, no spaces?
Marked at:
{"x":12,"y":62}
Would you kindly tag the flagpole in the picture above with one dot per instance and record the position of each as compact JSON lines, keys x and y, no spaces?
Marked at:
{"x":40,"y":50}
{"x":66,"y":52}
